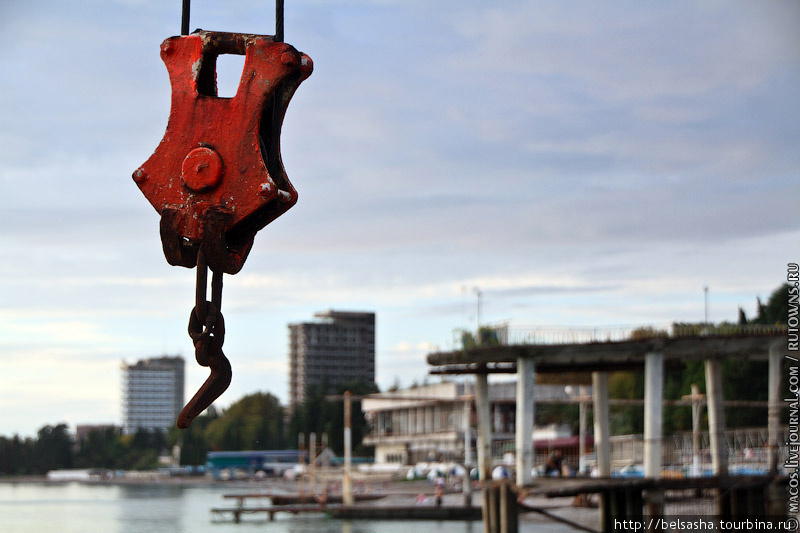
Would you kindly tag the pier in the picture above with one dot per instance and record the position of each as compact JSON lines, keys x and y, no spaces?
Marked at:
{"x":629,"y":499}
{"x":270,"y":510}
{"x":381,"y":512}
{"x":656,"y":494}
{"x":279,"y":498}
{"x":332,"y":505}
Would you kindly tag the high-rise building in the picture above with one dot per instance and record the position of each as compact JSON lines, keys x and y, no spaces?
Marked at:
{"x":152,"y":393}
{"x":336,"y":349}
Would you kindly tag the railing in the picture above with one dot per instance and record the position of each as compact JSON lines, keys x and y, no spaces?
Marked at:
{"x":571,"y":335}
{"x":744,"y":446}
{"x":567,"y":335}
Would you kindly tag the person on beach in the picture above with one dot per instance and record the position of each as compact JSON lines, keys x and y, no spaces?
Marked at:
{"x":552,"y":468}
{"x":439,"y":491}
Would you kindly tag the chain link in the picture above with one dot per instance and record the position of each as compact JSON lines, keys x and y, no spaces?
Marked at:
{"x":207,"y":331}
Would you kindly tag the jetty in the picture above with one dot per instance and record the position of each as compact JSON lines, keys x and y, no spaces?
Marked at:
{"x":299,"y":503}
{"x":724,"y":495}
{"x":407,"y":512}
{"x":733,"y":495}
{"x":280,"y":498}
{"x":281,"y":502}
{"x":270,"y":510}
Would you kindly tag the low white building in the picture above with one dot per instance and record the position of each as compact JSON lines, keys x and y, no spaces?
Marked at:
{"x":428,"y":423}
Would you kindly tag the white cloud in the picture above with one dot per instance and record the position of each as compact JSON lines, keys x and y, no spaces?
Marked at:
{"x":581,"y":163}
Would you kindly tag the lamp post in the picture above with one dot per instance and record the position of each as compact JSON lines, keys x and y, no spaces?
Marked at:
{"x":478,"y":317}
{"x":347,"y":486}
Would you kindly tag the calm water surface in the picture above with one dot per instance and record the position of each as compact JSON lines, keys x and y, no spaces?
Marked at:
{"x":83,"y":508}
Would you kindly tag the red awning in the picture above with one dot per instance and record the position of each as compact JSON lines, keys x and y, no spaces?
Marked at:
{"x":562,"y":442}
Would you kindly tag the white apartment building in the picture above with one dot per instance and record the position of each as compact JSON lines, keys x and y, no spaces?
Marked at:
{"x":152,"y":393}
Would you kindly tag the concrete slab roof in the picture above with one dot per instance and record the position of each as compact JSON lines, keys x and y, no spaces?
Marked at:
{"x":601,"y":356}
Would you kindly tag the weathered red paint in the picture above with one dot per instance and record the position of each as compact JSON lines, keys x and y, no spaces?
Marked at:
{"x":222,"y":154}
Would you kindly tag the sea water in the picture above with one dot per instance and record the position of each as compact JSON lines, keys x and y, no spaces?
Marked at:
{"x":153,"y":508}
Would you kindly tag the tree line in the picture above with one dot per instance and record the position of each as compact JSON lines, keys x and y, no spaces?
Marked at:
{"x":255,"y":422}
{"x":259,"y":422}
{"x":55,"y":448}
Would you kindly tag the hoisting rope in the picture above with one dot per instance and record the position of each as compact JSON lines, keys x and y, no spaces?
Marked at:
{"x":185,"y":17}
{"x":278,"y":19}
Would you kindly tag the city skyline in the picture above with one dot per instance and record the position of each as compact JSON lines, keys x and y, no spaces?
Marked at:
{"x":581,"y":165}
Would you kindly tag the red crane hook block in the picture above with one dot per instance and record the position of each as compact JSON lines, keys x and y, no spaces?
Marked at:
{"x":217,"y":177}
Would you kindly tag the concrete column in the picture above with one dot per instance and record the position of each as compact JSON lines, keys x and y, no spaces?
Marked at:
{"x":484,"y":427}
{"x":602,"y":431}
{"x":774,"y":409}
{"x":653,"y":402}
{"x":716,"y":417}
{"x":582,"y":436}
{"x":466,"y":487}
{"x":525,"y":415}
{"x":467,"y":434}
{"x":696,"y":410}
{"x":602,"y":442}
{"x":428,"y":420}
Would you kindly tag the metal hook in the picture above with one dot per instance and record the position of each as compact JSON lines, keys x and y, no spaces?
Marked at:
{"x":213,"y":387}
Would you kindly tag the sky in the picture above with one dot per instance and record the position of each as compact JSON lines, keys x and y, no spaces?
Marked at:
{"x":581,"y":164}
